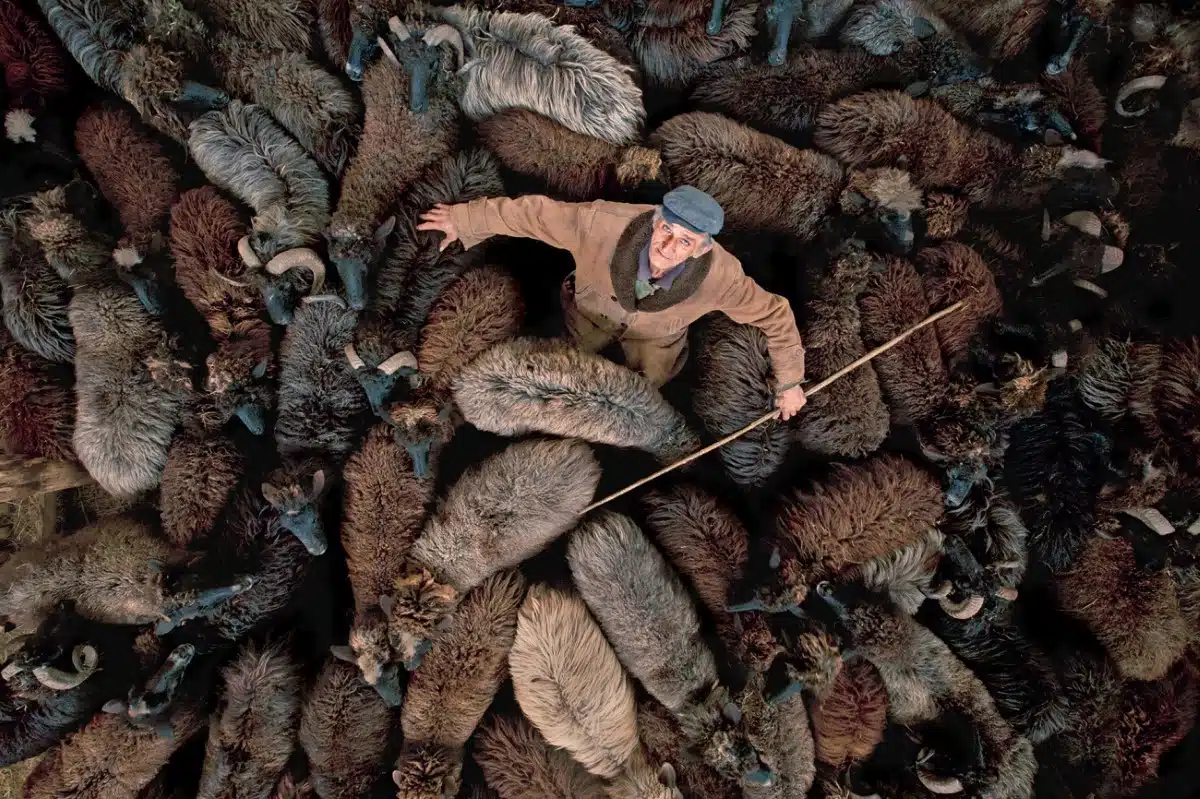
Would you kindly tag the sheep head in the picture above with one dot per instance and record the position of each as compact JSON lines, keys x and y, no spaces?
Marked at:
{"x":157,"y":693}
{"x":1069,"y":30}
{"x":882,"y":201}
{"x":239,"y":381}
{"x":427,"y":771}
{"x":423,"y":428}
{"x":715,"y":725}
{"x":429,"y":53}
{"x":371,"y":652}
{"x":355,"y":255}
{"x":296,"y":492}
{"x":420,"y":605}
{"x":284,"y":281}
{"x":379,"y":380}
{"x":144,"y":269}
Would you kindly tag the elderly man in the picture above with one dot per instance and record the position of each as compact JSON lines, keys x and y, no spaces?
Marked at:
{"x":643,"y":273}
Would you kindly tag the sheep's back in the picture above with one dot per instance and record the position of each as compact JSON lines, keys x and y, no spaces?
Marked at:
{"x":518,"y":763}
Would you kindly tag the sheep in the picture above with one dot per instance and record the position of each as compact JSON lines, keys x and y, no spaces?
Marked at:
{"x":849,"y":418}
{"x":575,"y":165}
{"x":417,"y":272}
{"x":64,"y":221}
{"x":860,"y":512}
{"x":676,"y":40}
{"x":912,"y":374}
{"x":383,"y":493}
{"x":849,"y":717}
{"x":527,"y":61}
{"x":448,"y":695}
{"x":924,"y":680}
{"x":666,"y":742}
{"x":734,"y":387}
{"x":1012,"y":111}
{"x":386,"y":163}
{"x":87,"y":762}
{"x":479,"y":310}
{"x":779,"y":730}
{"x":499,"y":513}
{"x":252,"y":736}
{"x":297,"y":490}
{"x":721,"y":157}
{"x":1175,"y":397}
{"x":202,"y":471}
{"x":59,"y":679}
{"x":518,"y":763}
{"x":951,"y":272}
{"x":883,"y":127}
{"x":569,"y":683}
{"x":37,"y":409}
{"x":708,"y":545}
{"x":344,"y":730}
{"x":35,"y":69}
{"x":1118,"y":379}
{"x":646,"y":613}
{"x":205,"y":229}
{"x":242,"y":150}
{"x":586,"y":396}
{"x":35,"y":298}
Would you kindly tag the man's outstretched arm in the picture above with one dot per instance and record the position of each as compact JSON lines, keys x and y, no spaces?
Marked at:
{"x":559,"y":224}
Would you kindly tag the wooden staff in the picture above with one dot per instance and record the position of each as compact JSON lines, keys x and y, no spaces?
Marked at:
{"x":840,"y":373}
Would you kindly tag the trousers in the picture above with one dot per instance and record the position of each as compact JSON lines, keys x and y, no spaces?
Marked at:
{"x":657,"y":359}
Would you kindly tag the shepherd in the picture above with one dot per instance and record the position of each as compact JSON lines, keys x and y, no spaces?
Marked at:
{"x":643,"y":274}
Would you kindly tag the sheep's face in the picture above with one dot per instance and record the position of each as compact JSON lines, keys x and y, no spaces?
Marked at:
{"x":298,"y":503}
{"x":369,"y":643}
{"x":420,"y":605}
{"x":430,"y":55}
{"x":860,"y":618}
{"x":732,"y":755}
{"x":239,"y":387}
{"x":1026,"y":112}
{"x":883,"y":201}
{"x":355,"y":255}
{"x":427,"y":771}
{"x":282,"y":294}
{"x":422,"y":428}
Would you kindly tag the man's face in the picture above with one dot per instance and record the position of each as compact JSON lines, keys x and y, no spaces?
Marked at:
{"x":671,"y":245}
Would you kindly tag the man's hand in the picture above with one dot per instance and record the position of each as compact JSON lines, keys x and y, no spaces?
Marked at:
{"x":439,"y":219}
{"x":790,"y":402}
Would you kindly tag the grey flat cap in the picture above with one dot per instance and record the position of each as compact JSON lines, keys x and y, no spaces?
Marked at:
{"x":695,"y":210}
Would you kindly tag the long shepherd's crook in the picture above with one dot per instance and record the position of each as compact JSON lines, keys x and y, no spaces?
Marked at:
{"x":766,"y":417}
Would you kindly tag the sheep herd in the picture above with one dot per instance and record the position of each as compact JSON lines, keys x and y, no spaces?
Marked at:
{"x":351,"y":550}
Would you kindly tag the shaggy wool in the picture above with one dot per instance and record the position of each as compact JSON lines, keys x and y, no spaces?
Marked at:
{"x":518,"y":763}
{"x":35,"y":298}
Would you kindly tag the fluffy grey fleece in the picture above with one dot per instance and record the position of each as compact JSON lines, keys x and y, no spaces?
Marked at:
{"x":526,"y":61}
{"x":96,"y":34}
{"x":884,"y":26}
{"x":548,"y":386}
{"x":243,"y":150}
{"x":506,"y":509}
{"x":644,"y":608}
{"x":35,"y":297}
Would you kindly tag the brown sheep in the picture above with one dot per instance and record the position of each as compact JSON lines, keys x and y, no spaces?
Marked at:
{"x":252,"y":738}
{"x":37,"y":408}
{"x":1178,"y":397}
{"x":499,"y":513}
{"x":880,"y":128}
{"x":780,"y":732}
{"x":675,"y":44}
{"x":384,"y":506}
{"x":849,"y":418}
{"x":860,"y":512}
{"x":203,"y":469}
{"x":849,"y":718}
{"x":575,"y":165}
{"x":1118,"y":380}
{"x":205,"y":232}
{"x":448,"y":695}
{"x":666,"y":742}
{"x":951,"y":272}
{"x":912,"y":374}
{"x":1132,"y":611}
{"x":518,"y":763}
{"x":344,"y":730}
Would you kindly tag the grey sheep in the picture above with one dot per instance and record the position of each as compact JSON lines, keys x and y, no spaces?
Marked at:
{"x":548,"y":386}
{"x":499,"y":513}
{"x":526,"y":61}
{"x":35,"y":297}
{"x":649,"y":617}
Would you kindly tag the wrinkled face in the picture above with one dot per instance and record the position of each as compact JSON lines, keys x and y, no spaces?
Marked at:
{"x":671,"y":245}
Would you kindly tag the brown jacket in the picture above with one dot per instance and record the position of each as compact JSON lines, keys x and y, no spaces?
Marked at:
{"x":606,"y":238}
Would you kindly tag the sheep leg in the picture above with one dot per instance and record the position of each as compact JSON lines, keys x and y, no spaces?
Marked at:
{"x":780,"y":16}
{"x":253,"y":416}
{"x":1075,"y":26}
{"x":201,"y":602}
{"x":201,"y":96}
{"x":161,"y":688}
{"x":716,"y":20}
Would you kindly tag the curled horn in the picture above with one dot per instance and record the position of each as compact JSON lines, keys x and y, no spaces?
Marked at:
{"x":1148,"y":83}
{"x":1007,"y":594}
{"x":1112,"y":258}
{"x":356,"y":362}
{"x":397,"y":361}
{"x":447,"y":33}
{"x":235,"y":283}
{"x":1088,"y":285}
{"x":300,"y":256}
{"x":940,"y":591}
{"x":1084,"y":221}
{"x":962,"y":610}
{"x":247,"y":252}
{"x":85,"y":659}
{"x":939,"y":785}
{"x":1152,"y":518}
{"x":11,"y":670}
{"x":399,"y":29}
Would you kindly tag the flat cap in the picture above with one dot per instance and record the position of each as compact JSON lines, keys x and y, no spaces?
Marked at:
{"x":695,"y":210}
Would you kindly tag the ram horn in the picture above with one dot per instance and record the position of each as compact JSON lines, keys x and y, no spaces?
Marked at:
{"x":447,"y":33}
{"x":1152,"y":518}
{"x":1146,"y":84}
{"x":352,"y":356}
{"x":1007,"y":594}
{"x":399,"y":29}
{"x":235,"y":283}
{"x":388,"y":53}
{"x":964,"y":610}
{"x":398,"y":361}
{"x":11,"y":670}
{"x":85,"y":659}
{"x":249,"y":257}
{"x":940,"y":591}
{"x":1088,"y":285}
{"x":1084,"y":221}
{"x":939,"y":785}
{"x":300,"y":256}
{"x":1113,"y":257}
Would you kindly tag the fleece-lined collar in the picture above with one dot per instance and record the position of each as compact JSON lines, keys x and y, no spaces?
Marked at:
{"x":624,"y":268}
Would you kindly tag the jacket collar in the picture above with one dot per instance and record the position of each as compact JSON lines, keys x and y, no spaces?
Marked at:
{"x":624,"y":267}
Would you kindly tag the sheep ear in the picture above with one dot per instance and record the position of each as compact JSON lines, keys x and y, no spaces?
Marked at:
{"x":385,"y":604}
{"x":114,"y":706}
{"x":732,"y":712}
{"x":923,"y":28}
{"x":343,"y":653}
{"x":853,"y":200}
{"x":397,"y":778}
{"x":776,"y":559}
{"x":666,"y":776}
{"x":260,"y":370}
{"x":385,"y":230}
{"x":271,"y":494}
{"x":318,"y":484}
